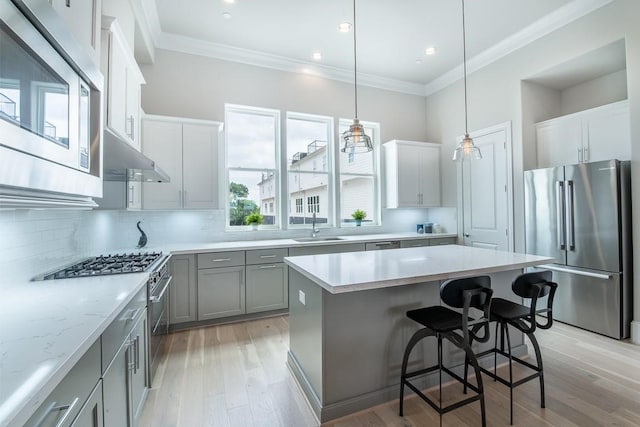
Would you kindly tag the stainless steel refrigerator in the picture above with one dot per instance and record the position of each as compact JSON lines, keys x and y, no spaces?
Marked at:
{"x":581,"y":215}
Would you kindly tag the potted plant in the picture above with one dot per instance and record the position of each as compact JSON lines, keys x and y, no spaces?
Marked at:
{"x":359,"y":215}
{"x":254,"y":219}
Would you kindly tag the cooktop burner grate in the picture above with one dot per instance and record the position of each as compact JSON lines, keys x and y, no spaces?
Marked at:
{"x":107,"y":264}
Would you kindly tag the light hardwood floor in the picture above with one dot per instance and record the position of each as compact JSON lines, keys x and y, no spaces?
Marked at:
{"x":236,"y":375}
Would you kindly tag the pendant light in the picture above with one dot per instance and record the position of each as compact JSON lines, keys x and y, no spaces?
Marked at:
{"x":355,"y":140}
{"x":466,"y":149}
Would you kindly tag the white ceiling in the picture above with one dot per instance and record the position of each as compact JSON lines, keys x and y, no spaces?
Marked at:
{"x":391,"y":35}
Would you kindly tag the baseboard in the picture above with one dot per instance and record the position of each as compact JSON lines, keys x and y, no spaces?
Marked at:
{"x":635,"y":332}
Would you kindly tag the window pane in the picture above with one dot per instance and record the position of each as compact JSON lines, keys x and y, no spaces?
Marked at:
{"x":308,"y":164}
{"x":251,"y":139}
{"x":250,"y":191}
{"x":356,"y":192}
{"x":308,"y":195}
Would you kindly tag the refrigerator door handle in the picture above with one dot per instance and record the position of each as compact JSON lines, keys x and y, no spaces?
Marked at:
{"x":561,"y":232}
{"x":577,"y":272}
{"x":570,"y":217}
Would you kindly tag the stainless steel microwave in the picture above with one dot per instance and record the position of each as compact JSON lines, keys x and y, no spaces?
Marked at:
{"x":50,"y":106}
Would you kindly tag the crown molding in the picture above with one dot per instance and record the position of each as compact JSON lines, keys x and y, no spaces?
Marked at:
{"x":193,"y":46}
{"x":557,"y":19}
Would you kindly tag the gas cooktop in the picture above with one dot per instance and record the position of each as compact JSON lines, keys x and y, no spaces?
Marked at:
{"x":107,"y":264}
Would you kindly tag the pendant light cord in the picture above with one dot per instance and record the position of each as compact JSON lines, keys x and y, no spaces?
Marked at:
{"x":355,"y":62}
{"x":464,"y":66}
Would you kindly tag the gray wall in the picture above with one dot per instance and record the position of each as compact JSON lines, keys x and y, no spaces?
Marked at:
{"x":193,"y":86}
{"x":496,"y":95}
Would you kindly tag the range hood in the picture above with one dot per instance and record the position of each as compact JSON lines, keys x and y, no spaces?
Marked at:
{"x":122,"y":162}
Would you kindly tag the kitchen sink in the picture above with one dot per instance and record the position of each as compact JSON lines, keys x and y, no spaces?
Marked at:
{"x":317,"y":239}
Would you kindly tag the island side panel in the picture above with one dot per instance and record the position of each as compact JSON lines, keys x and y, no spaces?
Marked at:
{"x":305,"y":335}
{"x":365,"y":334}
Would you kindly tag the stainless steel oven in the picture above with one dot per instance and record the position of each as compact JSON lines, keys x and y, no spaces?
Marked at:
{"x":158,"y":311}
{"x":50,"y":105}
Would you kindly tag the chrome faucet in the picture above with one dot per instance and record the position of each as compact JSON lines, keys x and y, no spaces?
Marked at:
{"x":314,"y":230}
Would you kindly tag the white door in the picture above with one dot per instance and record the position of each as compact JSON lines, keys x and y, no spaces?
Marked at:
{"x":486,"y":191}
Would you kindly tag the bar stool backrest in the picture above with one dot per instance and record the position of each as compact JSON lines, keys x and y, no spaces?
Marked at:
{"x":470,"y":292}
{"x":534,"y":285}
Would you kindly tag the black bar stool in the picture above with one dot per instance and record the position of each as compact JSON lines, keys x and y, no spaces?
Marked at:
{"x":531,"y":286}
{"x":458,"y":328}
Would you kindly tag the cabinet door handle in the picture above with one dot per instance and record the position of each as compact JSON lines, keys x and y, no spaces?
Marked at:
{"x":220,"y":259}
{"x":579,"y":155}
{"x":267,"y":256}
{"x":132,"y":317}
{"x":384,"y":243}
{"x":131,"y":188}
{"x":585,"y":154}
{"x":57,"y":408}
{"x":137,"y":352}
{"x":267,"y":266}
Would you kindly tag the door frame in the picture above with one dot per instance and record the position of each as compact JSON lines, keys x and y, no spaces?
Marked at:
{"x":507,"y":128}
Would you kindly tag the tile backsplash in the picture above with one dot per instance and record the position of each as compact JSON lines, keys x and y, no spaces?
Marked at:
{"x":36,"y":241}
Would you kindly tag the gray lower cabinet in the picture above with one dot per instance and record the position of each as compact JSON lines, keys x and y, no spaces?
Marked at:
{"x":66,"y":401}
{"x":326,"y":249}
{"x":124,"y":381}
{"x":443,"y":241}
{"x":267,"y":287}
{"x":91,"y":413}
{"x":221,"y":292}
{"x":182,"y":292}
{"x":414,"y":243}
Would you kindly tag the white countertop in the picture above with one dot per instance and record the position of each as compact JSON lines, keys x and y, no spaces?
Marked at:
{"x":358,"y":271}
{"x":189,"y":248}
{"x":46,"y":327}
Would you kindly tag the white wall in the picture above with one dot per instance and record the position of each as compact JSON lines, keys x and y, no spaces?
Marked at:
{"x":496,"y":96}
{"x":594,"y":93}
{"x":194,"y":86}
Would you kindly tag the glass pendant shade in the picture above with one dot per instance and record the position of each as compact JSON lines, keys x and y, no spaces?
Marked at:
{"x":355,"y":140}
{"x":466,"y":150}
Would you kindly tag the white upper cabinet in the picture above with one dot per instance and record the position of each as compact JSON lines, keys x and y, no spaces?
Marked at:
{"x":123,"y":80}
{"x":188,"y":152}
{"x":412,"y":174}
{"x":600,"y":133}
{"x":82,"y":18}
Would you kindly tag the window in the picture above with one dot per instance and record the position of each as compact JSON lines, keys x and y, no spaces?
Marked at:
{"x":359,"y":180}
{"x":308,"y":148}
{"x":313,"y":204}
{"x":352,"y":155}
{"x":252,"y":138}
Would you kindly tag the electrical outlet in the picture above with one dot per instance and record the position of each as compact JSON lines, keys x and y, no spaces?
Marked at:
{"x":302,"y":297}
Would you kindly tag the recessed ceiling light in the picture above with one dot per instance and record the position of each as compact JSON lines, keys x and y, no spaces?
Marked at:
{"x":430,"y":50}
{"x":317,"y":56}
{"x":226,"y":15}
{"x":418,"y":61}
{"x":230,"y":1}
{"x":345,"y":27}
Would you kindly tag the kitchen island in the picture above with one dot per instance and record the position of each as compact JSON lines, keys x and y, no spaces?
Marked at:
{"x":347,"y":318}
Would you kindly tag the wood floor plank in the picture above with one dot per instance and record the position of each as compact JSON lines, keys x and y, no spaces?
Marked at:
{"x":236,"y":375}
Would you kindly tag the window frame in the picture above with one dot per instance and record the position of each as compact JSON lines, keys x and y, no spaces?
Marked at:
{"x":269,"y":112}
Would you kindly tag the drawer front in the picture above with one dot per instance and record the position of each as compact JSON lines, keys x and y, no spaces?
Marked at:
{"x":121,"y":326}
{"x":443,"y":241}
{"x":266,"y":256}
{"x":221,"y":259}
{"x":326,"y":249}
{"x":415,"y":243}
{"x":386,"y":244}
{"x":64,"y":403}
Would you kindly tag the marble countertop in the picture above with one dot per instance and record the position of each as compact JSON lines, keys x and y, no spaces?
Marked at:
{"x":46,"y":327}
{"x":358,"y":271}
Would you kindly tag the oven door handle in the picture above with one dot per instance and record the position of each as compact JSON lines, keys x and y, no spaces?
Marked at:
{"x":156,"y":298}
